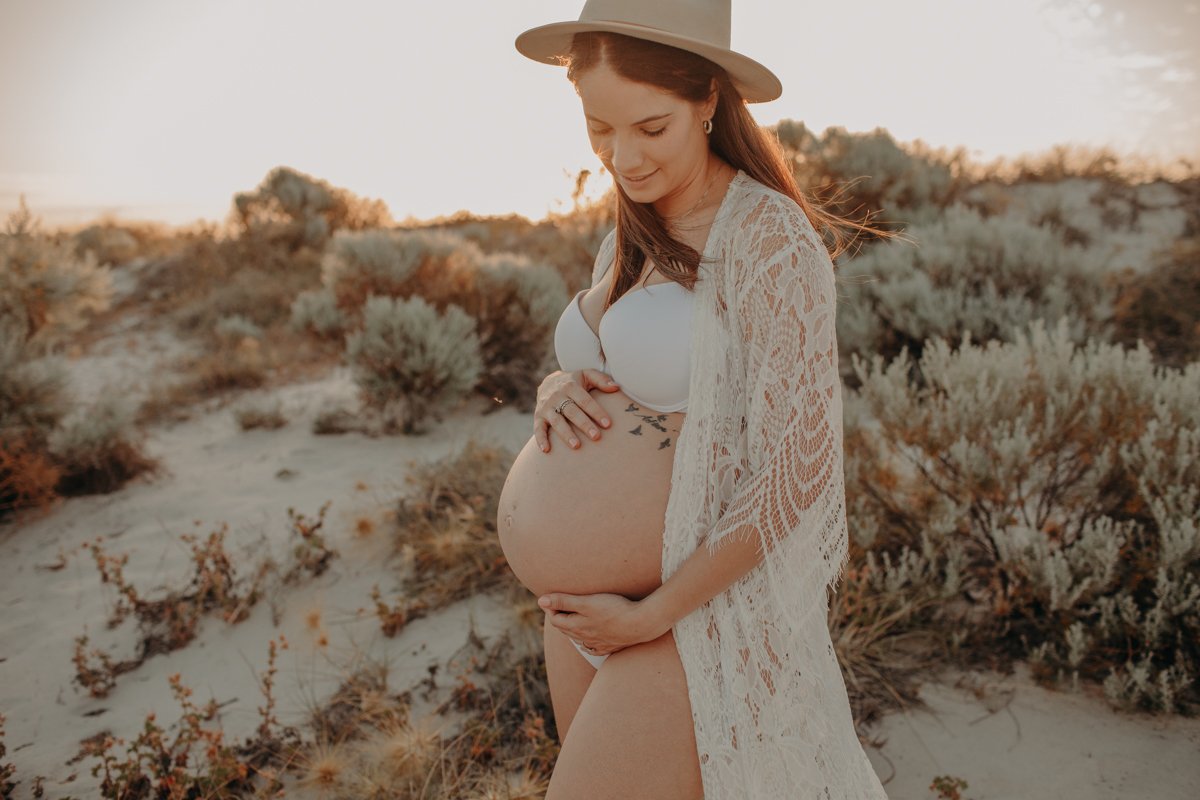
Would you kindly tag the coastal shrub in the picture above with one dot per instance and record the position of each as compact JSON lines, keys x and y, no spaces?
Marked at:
{"x":316,"y":311}
{"x":883,"y":639}
{"x":412,"y":362}
{"x":193,"y":757}
{"x":96,"y":448}
{"x":447,"y":525}
{"x":1124,"y":224}
{"x":28,"y":475}
{"x":1048,"y":493}
{"x":269,"y":417}
{"x":232,"y":365}
{"x":1162,"y":305}
{"x":436,"y":265}
{"x":514,"y":301}
{"x":311,"y":554}
{"x":227,"y":367}
{"x":207,"y":277}
{"x":216,"y":585}
{"x":911,"y":182}
{"x":334,"y":419}
{"x":1064,"y":161}
{"x":489,"y":737}
{"x":516,"y":306}
{"x":969,"y":275}
{"x":33,"y":390}
{"x":109,"y":243}
{"x":566,"y":241}
{"x":47,"y":291}
{"x":298,"y":210}
{"x":33,"y":401}
{"x":235,"y":327}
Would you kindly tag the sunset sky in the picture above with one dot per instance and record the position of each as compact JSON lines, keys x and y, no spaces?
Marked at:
{"x":164,"y":110}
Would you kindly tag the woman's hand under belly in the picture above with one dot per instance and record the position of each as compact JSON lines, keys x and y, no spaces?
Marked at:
{"x":590,"y":520}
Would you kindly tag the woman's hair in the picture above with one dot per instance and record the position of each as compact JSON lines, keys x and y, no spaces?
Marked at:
{"x":735,"y":137}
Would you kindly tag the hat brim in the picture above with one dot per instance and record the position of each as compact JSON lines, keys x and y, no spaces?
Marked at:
{"x":549,"y":43}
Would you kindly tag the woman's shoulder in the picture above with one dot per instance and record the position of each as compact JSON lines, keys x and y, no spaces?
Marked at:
{"x":757,"y":198}
{"x":763,"y":211}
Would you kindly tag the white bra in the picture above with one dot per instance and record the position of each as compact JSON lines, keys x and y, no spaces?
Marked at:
{"x":660,"y":315}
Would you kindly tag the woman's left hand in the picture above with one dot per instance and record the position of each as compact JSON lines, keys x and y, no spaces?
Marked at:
{"x":602,"y":623}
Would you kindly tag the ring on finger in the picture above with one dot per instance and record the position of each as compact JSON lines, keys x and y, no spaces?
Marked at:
{"x":559,"y":408}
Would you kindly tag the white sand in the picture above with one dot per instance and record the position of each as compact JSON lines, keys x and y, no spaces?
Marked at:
{"x":1010,"y":739}
{"x":1041,"y":745}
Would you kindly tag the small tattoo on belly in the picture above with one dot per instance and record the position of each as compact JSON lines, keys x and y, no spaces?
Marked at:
{"x":653,"y":420}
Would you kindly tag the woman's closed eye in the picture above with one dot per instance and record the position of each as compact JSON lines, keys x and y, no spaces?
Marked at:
{"x":651,"y":134}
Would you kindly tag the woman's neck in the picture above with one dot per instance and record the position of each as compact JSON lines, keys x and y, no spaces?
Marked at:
{"x":700,"y":193}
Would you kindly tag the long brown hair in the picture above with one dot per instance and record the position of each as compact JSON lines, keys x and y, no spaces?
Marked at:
{"x":735,"y":137}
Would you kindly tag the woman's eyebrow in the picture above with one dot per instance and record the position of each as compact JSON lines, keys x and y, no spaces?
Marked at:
{"x":639,"y":122}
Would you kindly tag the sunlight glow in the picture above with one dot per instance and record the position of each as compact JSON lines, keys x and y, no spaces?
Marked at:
{"x":167,"y":109}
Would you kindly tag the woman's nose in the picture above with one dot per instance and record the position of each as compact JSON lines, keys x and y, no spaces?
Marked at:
{"x":625,"y":157}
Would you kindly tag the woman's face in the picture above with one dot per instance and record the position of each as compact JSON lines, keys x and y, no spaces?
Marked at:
{"x":649,"y":139}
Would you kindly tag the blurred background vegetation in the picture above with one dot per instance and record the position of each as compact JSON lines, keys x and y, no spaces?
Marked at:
{"x":1022,"y":430}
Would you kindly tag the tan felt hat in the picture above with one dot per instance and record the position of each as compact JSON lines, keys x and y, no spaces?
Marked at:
{"x":698,"y":26}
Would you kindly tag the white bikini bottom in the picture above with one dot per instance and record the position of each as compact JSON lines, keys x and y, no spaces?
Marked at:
{"x":595,"y":661}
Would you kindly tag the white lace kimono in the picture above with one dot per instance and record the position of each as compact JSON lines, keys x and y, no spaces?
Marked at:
{"x":760,"y":454}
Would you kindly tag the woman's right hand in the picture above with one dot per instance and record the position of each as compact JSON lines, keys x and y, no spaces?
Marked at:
{"x":584,"y":413}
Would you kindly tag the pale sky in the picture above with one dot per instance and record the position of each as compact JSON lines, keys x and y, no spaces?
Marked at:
{"x":165,"y":108}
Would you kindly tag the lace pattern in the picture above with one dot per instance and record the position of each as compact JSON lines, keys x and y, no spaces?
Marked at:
{"x":760,"y":454}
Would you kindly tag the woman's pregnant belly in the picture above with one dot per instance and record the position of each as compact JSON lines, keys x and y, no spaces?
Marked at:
{"x":590,"y":520}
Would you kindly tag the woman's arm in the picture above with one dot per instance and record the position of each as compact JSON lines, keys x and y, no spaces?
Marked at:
{"x":793,"y":490}
{"x":702,"y":576}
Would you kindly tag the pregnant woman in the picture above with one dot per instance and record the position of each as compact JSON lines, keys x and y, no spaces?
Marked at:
{"x":681,"y":532}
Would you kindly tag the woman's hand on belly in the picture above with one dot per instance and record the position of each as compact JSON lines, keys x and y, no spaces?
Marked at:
{"x":575,"y":386}
{"x":604,"y":623}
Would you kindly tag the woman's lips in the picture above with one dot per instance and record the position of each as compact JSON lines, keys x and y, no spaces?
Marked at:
{"x":637,"y":180}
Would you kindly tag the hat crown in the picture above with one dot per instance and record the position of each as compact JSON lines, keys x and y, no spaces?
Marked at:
{"x":703,"y":20}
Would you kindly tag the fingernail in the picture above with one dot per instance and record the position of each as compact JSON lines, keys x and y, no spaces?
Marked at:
{"x":594,"y":433}
{"x":574,"y":443}
{"x":543,"y":601}
{"x":605,"y":422}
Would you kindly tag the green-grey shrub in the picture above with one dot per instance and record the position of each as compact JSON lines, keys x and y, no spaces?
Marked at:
{"x":235,"y":327}
{"x":110,"y":244}
{"x":909,"y":183}
{"x":47,"y":289}
{"x":385,"y":262}
{"x":297,"y":210}
{"x":1129,"y":221}
{"x":517,"y":307}
{"x":88,"y":429}
{"x":316,"y":310}
{"x":33,"y":391}
{"x":411,"y":361}
{"x":97,"y":447}
{"x":1057,"y":487}
{"x":260,"y":415}
{"x":969,"y":275}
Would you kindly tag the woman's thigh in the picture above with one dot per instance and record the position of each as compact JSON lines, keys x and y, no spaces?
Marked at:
{"x":632,"y":736}
{"x":567,"y":672}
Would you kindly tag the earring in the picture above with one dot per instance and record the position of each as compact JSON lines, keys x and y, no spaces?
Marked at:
{"x":707,"y":126}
